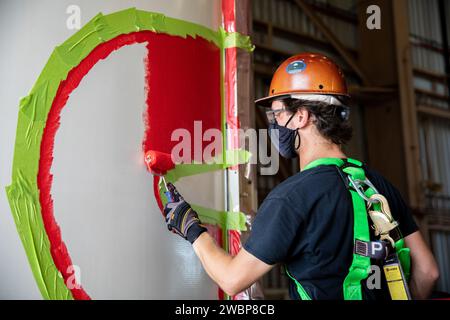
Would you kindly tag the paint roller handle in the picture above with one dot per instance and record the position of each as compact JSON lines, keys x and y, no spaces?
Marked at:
{"x":181,"y":218}
{"x":172,"y":193}
{"x":169,"y":196}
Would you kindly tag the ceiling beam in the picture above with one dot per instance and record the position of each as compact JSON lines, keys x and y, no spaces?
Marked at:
{"x":335,"y":42}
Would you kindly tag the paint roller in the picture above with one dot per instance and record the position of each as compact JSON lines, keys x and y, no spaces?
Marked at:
{"x":158,"y":163}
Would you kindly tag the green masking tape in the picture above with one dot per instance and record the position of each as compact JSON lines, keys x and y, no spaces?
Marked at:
{"x":233,"y":157}
{"x":237,"y":40}
{"x":225,"y":220}
{"x":23,"y":193}
{"x":24,"y":202}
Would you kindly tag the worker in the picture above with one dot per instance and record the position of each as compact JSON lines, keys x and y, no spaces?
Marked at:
{"x":309,"y":222}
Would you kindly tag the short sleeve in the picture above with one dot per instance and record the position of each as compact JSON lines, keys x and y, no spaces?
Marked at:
{"x":401,"y":212}
{"x":273,"y":231}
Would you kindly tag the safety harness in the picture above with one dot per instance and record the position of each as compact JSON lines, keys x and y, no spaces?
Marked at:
{"x":388,"y":248}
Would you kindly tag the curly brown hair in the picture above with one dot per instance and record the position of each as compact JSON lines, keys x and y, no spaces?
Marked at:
{"x":332,"y":121}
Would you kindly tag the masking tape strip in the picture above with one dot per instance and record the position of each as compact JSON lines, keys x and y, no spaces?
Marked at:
{"x":23,"y":193}
{"x":233,"y":157}
{"x":237,"y":40}
{"x":225,"y":220}
{"x":24,"y":202}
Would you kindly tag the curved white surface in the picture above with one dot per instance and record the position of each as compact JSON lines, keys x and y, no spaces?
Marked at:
{"x":103,"y":196}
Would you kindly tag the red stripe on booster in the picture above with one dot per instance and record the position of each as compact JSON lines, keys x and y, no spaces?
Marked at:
{"x":229,"y":21}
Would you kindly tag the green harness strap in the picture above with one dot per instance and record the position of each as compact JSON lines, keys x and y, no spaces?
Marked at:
{"x":404,"y":257}
{"x":360,"y":266}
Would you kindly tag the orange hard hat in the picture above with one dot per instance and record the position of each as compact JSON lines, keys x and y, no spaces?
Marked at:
{"x":305,"y":73}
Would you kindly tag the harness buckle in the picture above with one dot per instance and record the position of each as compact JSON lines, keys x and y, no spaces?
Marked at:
{"x":382,"y":220}
{"x":358,"y":186}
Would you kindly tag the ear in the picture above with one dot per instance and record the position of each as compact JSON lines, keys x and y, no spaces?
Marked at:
{"x":302,"y":117}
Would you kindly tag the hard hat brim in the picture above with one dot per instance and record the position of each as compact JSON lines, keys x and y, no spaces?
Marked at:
{"x":267,"y":101}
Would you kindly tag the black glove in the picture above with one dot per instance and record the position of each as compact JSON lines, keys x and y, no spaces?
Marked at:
{"x":180,"y":217}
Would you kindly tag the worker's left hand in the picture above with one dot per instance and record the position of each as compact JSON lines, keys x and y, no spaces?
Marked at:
{"x":181,"y":218}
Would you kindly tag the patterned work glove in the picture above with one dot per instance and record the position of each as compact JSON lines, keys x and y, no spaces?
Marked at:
{"x":180,"y":217}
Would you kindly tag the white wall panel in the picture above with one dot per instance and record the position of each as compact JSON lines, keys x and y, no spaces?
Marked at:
{"x":103,"y":196}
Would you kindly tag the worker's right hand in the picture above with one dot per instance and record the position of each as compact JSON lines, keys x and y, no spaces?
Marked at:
{"x":181,"y":218}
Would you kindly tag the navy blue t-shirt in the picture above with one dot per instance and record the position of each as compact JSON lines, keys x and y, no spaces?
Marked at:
{"x":306,"y":223}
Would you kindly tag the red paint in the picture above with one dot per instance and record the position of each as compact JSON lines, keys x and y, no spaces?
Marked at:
{"x":229,"y":22}
{"x":183,"y":86}
{"x":158,"y":162}
{"x":229,"y":16}
{"x":169,"y":107}
{"x":171,"y":60}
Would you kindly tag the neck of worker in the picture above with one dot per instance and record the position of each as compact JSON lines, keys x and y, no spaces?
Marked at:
{"x":315,"y":147}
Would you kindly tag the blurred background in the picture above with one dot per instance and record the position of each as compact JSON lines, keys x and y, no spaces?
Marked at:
{"x":398,"y":77}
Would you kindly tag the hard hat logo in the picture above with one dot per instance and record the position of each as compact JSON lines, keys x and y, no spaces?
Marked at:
{"x":305,"y":74}
{"x":296,"y":66}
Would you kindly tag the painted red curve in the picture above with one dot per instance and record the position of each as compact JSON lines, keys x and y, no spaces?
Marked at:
{"x":196,"y":49}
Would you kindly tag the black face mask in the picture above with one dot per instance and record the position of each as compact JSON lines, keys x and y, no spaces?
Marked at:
{"x":283,"y":139}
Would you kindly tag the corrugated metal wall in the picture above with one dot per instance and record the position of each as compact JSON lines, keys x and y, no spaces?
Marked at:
{"x":286,"y":14}
{"x":435,"y":159}
{"x":431,"y":91}
{"x":427,"y":53}
{"x":434,"y":132}
{"x":426,"y":35}
{"x":441,"y":247}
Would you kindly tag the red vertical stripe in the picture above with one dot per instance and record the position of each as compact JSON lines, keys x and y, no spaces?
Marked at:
{"x":229,"y":22}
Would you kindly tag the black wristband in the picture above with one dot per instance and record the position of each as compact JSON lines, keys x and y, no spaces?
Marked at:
{"x":194,"y":232}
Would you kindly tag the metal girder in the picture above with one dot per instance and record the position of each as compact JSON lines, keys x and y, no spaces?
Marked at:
{"x":408,"y":104}
{"x":335,"y":42}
